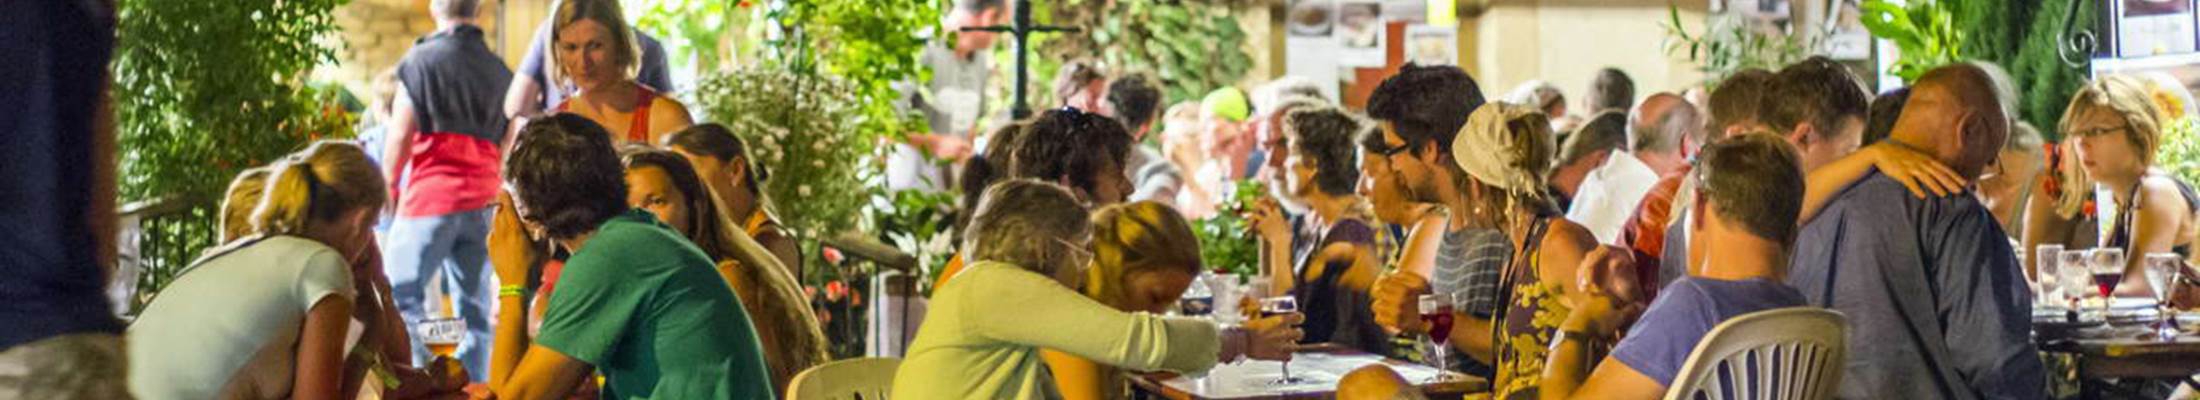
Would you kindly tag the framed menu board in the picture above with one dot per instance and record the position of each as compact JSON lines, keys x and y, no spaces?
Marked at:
{"x":2153,"y":27}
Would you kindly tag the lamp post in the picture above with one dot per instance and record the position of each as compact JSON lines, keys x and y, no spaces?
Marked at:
{"x":1021,"y":28}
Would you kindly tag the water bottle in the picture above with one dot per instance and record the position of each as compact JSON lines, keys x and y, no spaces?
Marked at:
{"x":1199,"y":299}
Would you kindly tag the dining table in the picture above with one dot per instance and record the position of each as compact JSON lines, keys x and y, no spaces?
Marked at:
{"x":1317,"y":370}
{"x":2125,"y":344}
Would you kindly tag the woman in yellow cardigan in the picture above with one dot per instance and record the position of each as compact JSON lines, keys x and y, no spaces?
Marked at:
{"x":1144,"y":257}
{"x":1027,"y":244}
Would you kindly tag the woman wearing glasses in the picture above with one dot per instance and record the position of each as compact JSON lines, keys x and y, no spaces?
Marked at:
{"x":2112,"y":130}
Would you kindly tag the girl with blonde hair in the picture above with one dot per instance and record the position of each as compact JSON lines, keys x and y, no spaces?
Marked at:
{"x":283,"y":334}
{"x":1144,"y":257}
{"x":2112,"y":131}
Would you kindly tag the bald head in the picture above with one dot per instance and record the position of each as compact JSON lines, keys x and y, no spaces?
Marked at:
{"x":1956,"y":113}
{"x":1658,"y":124}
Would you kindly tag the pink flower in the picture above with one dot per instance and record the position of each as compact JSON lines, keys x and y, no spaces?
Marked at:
{"x":835,"y":290}
{"x":833,"y":256}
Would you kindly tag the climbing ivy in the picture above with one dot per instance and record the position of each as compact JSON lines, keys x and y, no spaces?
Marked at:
{"x":1193,"y":47}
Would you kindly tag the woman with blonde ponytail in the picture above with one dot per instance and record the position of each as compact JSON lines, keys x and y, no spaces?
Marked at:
{"x":268,"y":317}
{"x":1143,"y":258}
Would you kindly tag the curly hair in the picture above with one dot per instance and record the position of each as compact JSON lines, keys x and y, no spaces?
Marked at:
{"x":1324,"y":134}
{"x":1070,"y":145}
{"x":563,"y":168}
{"x":1426,"y":104}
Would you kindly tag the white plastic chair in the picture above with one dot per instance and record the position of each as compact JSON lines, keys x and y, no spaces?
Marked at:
{"x":1794,"y":353}
{"x":853,"y":379}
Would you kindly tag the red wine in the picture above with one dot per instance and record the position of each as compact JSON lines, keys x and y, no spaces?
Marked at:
{"x":1439,"y":325}
{"x":2106,"y":281}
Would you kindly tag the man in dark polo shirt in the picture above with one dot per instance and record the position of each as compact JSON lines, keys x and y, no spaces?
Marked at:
{"x":447,"y":132}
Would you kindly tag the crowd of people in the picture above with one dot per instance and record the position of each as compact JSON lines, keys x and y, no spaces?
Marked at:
{"x":591,"y":239}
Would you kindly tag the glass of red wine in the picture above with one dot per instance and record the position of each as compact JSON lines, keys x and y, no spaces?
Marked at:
{"x":1275,"y":306}
{"x":1436,"y":315}
{"x":2108,"y":270}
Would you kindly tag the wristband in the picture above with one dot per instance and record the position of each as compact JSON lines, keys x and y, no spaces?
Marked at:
{"x":512,"y":291}
{"x":1583,"y":336}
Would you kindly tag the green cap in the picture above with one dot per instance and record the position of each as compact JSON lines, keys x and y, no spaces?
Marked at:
{"x":1227,"y":102}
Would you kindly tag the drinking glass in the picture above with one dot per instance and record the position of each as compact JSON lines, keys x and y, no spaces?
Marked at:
{"x":1436,"y":315}
{"x":1274,"y":306}
{"x":2108,"y":270}
{"x":2162,"y":270}
{"x":2074,"y":276}
{"x":2046,"y":261}
{"x":442,"y":335}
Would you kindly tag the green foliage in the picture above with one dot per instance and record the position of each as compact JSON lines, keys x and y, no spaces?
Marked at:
{"x":205,"y":89}
{"x":1226,"y":243}
{"x":806,"y":133}
{"x":1192,"y":47}
{"x":868,"y":44}
{"x":2046,"y":81}
{"x":920,"y":223}
{"x":2180,"y":151}
{"x":1730,"y":44}
{"x":1924,"y":32}
{"x":699,"y":32}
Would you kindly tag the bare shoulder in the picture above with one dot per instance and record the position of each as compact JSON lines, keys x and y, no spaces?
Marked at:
{"x":1568,"y":237}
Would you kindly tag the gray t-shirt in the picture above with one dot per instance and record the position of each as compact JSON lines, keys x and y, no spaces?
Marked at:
{"x":1470,"y":261}
{"x":1687,"y":310}
{"x":1930,"y":287}
{"x":229,"y":326}
{"x":1152,"y":176}
{"x":952,"y":103}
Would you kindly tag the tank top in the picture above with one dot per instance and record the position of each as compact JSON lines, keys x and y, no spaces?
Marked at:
{"x":637,"y":130}
{"x":2118,"y":232}
{"x":1526,"y":323}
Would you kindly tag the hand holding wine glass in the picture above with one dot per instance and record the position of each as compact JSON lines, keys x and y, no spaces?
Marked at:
{"x":1282,"y":306}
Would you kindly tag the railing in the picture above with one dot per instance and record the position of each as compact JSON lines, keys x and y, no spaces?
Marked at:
{"x":157,"y":239}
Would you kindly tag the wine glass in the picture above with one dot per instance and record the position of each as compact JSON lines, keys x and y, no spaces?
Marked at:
{"x":2162,"y":270}
{"x":2074,"y":276}
{"x":1436,"y":315}
{"x":2045,"y":275}
{"x":2108,"y":270}
{"x":1274,"y":306}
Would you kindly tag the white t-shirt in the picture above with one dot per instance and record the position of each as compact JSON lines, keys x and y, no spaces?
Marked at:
{"x":228,"y":327}
{"x":1608,"y":195}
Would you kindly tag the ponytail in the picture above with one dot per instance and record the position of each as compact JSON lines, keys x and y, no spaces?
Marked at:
{"x":318,"y":184}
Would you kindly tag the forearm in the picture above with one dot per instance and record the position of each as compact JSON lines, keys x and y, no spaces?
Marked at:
{"x":1821,"y":184}
{"x":1569,"y":362}
{"x":1275,"y":261}
{"x":1471,"y":336}
{"x":510,"y":338}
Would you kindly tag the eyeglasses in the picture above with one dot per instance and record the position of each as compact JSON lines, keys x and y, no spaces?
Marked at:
{"x":2099,"y":131}
{"x":1079,"y":257}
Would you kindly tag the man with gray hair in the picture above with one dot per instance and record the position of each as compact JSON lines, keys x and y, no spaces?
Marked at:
{"x":1654,"y":134}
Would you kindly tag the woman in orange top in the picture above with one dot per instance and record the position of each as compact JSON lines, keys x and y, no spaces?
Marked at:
{"x":596,"y":53}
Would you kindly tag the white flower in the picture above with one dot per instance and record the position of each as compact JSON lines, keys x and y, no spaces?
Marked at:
{"x":817,"y":163}
{"x":803,"y":190}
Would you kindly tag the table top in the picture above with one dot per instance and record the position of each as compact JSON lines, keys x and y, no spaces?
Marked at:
{"x":2124,"y":348}
{"x":1320,"y":369}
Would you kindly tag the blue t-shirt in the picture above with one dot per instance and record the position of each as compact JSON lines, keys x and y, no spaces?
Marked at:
{"x":1685,"y":311}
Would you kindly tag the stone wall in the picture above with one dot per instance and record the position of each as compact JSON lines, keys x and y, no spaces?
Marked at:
{"x":376,"y":33}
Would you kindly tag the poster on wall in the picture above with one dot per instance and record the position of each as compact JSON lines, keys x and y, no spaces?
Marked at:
{"x":1359,"y":33}
{"x":1432,"y":45}
{"x":2153,"y":27}
{"x":1846,"y":38}
{"x":1310,"y":42}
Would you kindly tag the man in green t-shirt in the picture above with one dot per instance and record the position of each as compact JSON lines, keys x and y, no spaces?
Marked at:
{"x":635,"y":301}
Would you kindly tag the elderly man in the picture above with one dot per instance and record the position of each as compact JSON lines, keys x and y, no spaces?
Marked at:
{"x":1654,"y":133}
{"x":1930,"y":284}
